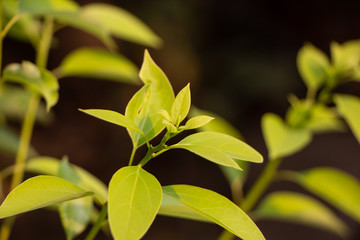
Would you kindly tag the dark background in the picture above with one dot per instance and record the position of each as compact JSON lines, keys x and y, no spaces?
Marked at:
{"x":240,"y":58}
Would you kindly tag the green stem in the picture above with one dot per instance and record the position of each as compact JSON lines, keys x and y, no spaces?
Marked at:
{"x":28,"y":124}
{"x":97,"y":226}
{"x":8,"y":26}
{"x":132,"y":156}
{"x":260,"y":185}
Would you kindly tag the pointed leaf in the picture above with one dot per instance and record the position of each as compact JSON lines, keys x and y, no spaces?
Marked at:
{"x":112,"y":117}
{"x":337,"y":187}
{"x":173,"y":208}
{"x":47,"y":6}
{"x":219,"y":148}
{"x":197,"y":122}
{"x":134,"y":200}
{"x":39,"y":192}
{"x":40,"y":80}
{"x":75,"y":214}
{"x":181,"y":106}
{"x":312,"y":65}
{"x":50,"y":166}
{"x":299,"y":208}
{"x":349,"y":108}
{"x":216,"y":208}
{"x":143,"y":109}
{"x":280,"y":139}
{"x":98,"y":63}
{"x":122,"y":24}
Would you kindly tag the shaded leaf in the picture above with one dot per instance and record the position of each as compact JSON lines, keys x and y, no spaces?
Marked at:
{"x":113,"y":117}
{"x":349,"y":108}
{"x":75,"y":214}
{"x":98,"y":63}
{"x":219,"y":148}
{"x":47,"y":6}
{"x":121,"y":24}
{"x":336,"y":187}
{"x":143,"y":109}
{"x":181,"y":106}
{"x":39,"y":192}
{"x":216,"y":208}
{"x":50,"y":166}
{"x":312,"y":65}
{"x":280,"y":139}
{"x":37,"y":79}
{"x":134,"y":200}
{"x":299,"y":208}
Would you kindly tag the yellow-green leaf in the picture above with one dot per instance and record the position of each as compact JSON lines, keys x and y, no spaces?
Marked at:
{"x":335,"y":186}
{"x":47,"y":6}
{"x":216,"y":208}
{"x":181,"y":106}
{"x":134,"y":200}
{"x":301,"y":209}
{"x":197,"y":122}
{"x":37,"y":79}
{"x":312,"y":65}
{"x":98,"y":63}
{"x":39,"y":192}
{"x":280,"y":139}
{"x":349,"y":108}
{"x":121,"y":24}
{"x":143,"y":109}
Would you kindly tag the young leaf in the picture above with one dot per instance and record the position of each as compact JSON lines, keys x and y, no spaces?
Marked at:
{"x":113,"y":117}
{"x":75,"y":214}
{"x":197,"y":122}
{"x":134,"y":200}
{"x":121,"y":24}
{"x":37,"y":79}
{"x":173,"y":208}
{"x":98,"y":63}
{"x":143,"y":109}
{"x":50,"y":166}
{"x":47,"y":6}
{"x":349,"y":108}
{"x":335,"y":186}
{"x":181,"y":105}
{"x":312,"y":65}
{"x":346,"y":58}
{"x":39,"y":192}
{"x":216,"y":208}
{"x":280,"y":139}
{"x":299,"y":208}
{"x":219,"y":148}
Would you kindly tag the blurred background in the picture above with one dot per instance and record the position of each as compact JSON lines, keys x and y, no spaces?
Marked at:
{"x":240,"y":58}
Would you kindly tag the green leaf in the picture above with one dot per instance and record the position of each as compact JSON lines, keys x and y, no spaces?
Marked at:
{"x":143,"y":109}
{"x":113,"y":117}
{"x":197,"y":122}
{"x":299,"y":208}
{"x":47,"y":6}
{"x":181,"y":106}
{"x":349,"y":108}
{"x":37,"y":79}
{"x":219,"y":148}
{"x":134,"y":200}
{"x":9,"y":141}
{"x":336,"y":187}
{"x":98,"y":63}
{"x":216,"y":208}
{"x":173,"y":208}
{"x":14,"y":102}
{"x":50,"y":166}
{"x":280,"y":139}
{"x":312,"y":65}
{"x":218,"y":124}
{"x":75,"y":214}
{"x":39,"y":192}
{"x":346,"y":58}
{"x":121,"y":24}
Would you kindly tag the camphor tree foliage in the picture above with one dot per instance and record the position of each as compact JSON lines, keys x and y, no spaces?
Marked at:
{"x":126,"y":207}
